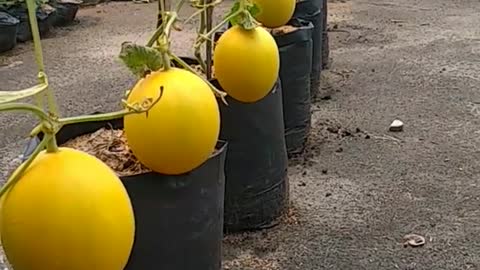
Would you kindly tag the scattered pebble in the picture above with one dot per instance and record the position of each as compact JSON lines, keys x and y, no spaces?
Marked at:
{"x":396,"y":126}
{"x":413,"y":240}
{"x":324,"y":171}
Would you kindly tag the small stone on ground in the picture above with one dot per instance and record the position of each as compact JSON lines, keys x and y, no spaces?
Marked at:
{"x":396,"y":126}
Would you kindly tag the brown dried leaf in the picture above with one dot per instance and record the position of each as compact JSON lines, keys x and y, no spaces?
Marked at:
{"x":110,"y":146}
{"x":282,"y":30}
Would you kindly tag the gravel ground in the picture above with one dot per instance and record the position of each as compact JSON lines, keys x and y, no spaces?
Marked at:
{"x":359,"y":189}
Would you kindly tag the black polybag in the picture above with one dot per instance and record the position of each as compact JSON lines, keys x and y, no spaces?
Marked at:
{"x":295,"y":49}
{"x":325,"y":42}
{"x":178,"y":218}
{"x":256,"y":181}
{"x":65,"y":14}
{"x":24,"y":32}
{"x":7,"y":19}
{"x":8,"y":31}
{"x":311,"y":10}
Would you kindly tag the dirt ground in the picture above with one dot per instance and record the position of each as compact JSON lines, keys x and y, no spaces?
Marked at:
{"x":359,"y":189}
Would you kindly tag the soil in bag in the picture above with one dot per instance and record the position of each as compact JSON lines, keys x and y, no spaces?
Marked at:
{"x":295,"y":46}
{"x":8,"y":31}
{"x":311,"y":10}
{"x":178,"y":219}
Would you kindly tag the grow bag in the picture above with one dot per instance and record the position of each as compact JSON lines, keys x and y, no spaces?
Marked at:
{"x":256,"y":182}
{"x":66,"y":13}
{"x":8,"y":31}
{"x":24,"y":32}
{"x":295,"y":49}
{"x":311,"y":10}
{"x":325,"y":42}
{"x":178,"y":219}
{"x":256,"y":187}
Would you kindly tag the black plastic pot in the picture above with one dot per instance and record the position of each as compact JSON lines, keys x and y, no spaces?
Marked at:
{"x":311,"y":10}
{"x":256,"y":187}
{"x":8,"y":31}
{"x":87,"y":3}
{"x":24,"y":32}
{"x":295,"y":66}
{"x":325,"y":42}
{"x":256,"y":182}
{"x":179,"y":219}
{"x":65,"y":15}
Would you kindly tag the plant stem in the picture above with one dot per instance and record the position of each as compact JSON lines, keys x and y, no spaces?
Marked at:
{"x":52,"y":105}
{"x":201,"y":31}
{"x":198,"y":56}
{"x":94,"y":117}
{"x":179,"y":5}
{"x":31,"y":8}
{"x":208,"y":47}
{"x":26,"y":107}
{"x":217,"y":27}
{"x":161,"y":30}
{"x":202,"y":8}
{"x":162,"y":35}
{"x":13,"y":179}
{"x":161,"y":13}
{"x":52,"y":146}
{"x":36,"y":130}
{"x":10,"y":96}
{"x":32,"y":14}
{"x":108,"y":116}
{"x":172,"y":17}
{"x":217,"y":92}
{"x":36,"y":38}
{"x":195,"y":14}
{"x":164,"y":43}
{"x":162,"y":10}
{"x":155,"y":36}
{"x":243,"y":4}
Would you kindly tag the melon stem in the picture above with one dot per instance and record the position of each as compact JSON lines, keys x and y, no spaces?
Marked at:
{"x":52,"y":146}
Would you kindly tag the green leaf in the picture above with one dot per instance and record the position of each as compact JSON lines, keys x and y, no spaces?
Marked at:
{"x":140,"y":60}
{"x":233,"y":10}
{"x":253,"y":9}
{"x":245,"y":17}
